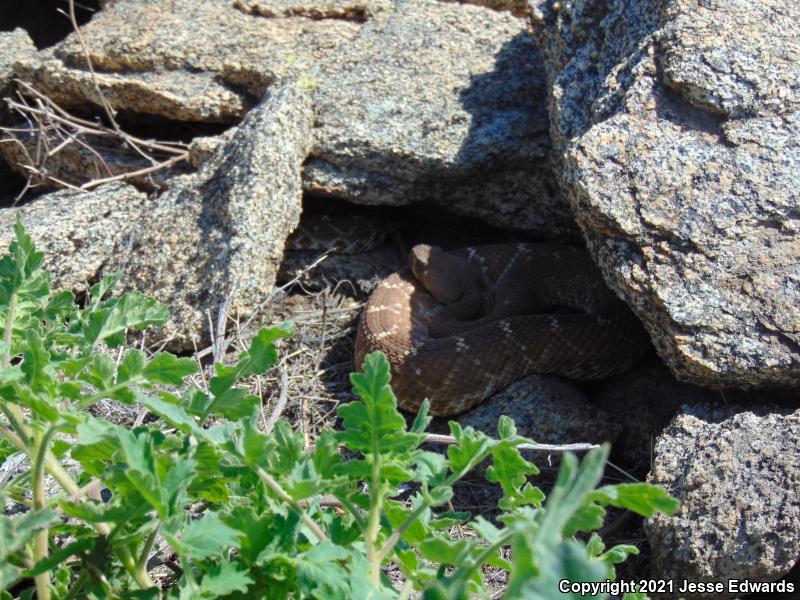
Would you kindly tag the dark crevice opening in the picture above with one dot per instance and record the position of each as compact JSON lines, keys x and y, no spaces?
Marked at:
{"x":42,"y":19}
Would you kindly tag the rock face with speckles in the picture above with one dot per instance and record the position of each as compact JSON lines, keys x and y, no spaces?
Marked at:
{"x":77,"y":231}
{"x":677,"y":123}
{"x":416,"y":100}
{"x":445,"y":103}
{"x":217,"y":237}
{"x":546,"y":409}
{"x":737,"y":475}
{"x":14,"y":45}
{"x":184,"y":60}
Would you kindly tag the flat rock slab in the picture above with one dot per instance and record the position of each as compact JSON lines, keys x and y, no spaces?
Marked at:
{"x":416,"y":100}
{"x":217,"y":238}
{"x":444,"y":103}
{"x":14,"y":45}
{"x":77,"y":231}
{"x":737,"y":475}
{"x":679,"y":129}
{"x":183,"y":60}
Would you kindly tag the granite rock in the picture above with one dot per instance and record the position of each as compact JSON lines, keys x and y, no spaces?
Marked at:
{"x":77,"y":231}
{"x":417,"y":101}
{"x":443,"y":103}
{"x":14,"y":45}
{"x":677,"y":125}
{"x":546,"y":409}
{"x":737,"y":475}
{"x":217,"y":237}
{"x":184,"y":60}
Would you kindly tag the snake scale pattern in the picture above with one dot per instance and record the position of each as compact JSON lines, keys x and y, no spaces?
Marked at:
{"x":459,"y":326}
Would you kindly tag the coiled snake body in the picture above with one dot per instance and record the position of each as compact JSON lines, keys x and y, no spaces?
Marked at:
{"x":459,"y":326}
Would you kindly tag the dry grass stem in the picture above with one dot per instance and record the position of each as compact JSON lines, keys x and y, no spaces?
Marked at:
{"x":436,"y":438}
{"x":49,"y":130}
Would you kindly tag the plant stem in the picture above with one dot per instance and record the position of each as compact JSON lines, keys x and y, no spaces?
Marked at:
{"x":374,"y":521}
{"x":87,"y":402}
{"x":9,"y":331}
{"x":465,"y":571}
{"x":405,"y":593}
{"x":141,"y":564}
{"x":16,"y":420}
{"x":355,"y":512}
{"x":281,"y":493}
{"x":39,"y":450}
{"x":77,"y":586}
{"x":58,"y":472}
{"x":389,"y":545}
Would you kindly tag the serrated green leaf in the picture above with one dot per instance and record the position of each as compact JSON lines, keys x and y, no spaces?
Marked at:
{"x":303,"y":481}
{"x":60,"y":305}
{"x":195,"y":402}
{"x":567,"y":560}
{"x":471,"y":448}
{"x":511,"y":471}
{"x":326,"y":454}
{"x":208,"y":537}
{"x":210,"y":483}
{"x":618,"y":553}
{"x":9,"y":375}
{"x":175,"y":483}
{"x":265,"y":535}
{"x":59,"y":556}
{"x":586,"y":518}
{"x":373,"y":423}
{"x":642,"y":498}
{"x":40,"y":405}
{"x":431,"y":468}
{"x":139,"y":469}
{"x":36,"y":362}
{"x":17,"y":531}
{"x":487,"y":530}
{"x":595,"y":545}
{"x":132,"y":365}
{"x":168,"y":369}
{"x":574,"y":484}
{"x":320,"y":573}
{"x":224,"y":579}
{"x":423,"y":419}
{"x":167,"y":408}
{"x":443,"y":550}
{"x":397,"y":513}
{"x":289,"y":448}
{"x":262,"y":354}
{"x":131,"y":311}
{"x":506,"y":428}
{"x":449,"y":519}
{"x":99,"y":371}
{"x":98,"y":291}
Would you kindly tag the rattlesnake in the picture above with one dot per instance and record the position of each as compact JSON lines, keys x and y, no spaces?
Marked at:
{"x":459,"y":326}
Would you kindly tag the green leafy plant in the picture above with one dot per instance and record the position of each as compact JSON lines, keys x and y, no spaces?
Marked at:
{"x":241,"y":509}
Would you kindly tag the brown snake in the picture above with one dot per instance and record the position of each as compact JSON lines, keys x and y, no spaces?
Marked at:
{"x":459,"y":326}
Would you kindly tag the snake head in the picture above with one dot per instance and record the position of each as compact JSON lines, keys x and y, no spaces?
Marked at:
{"x":429,"y":265}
